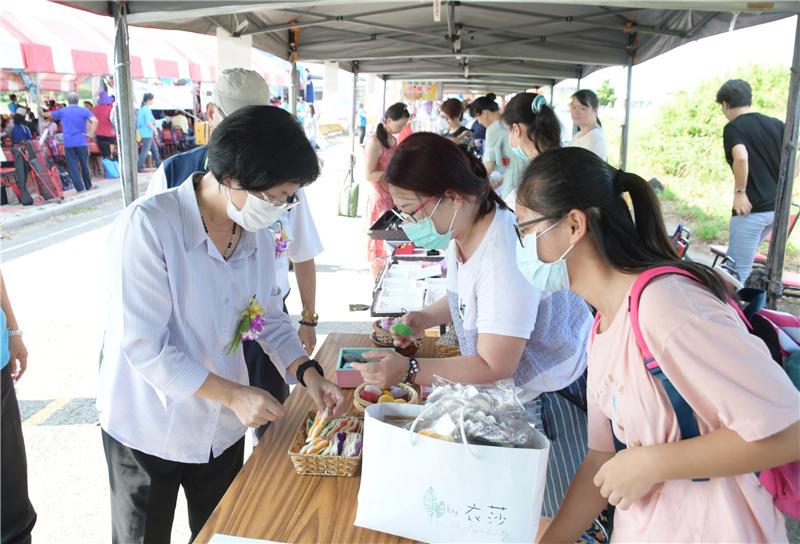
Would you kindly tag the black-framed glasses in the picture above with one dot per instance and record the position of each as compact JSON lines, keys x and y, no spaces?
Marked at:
{"x":519,"y":227}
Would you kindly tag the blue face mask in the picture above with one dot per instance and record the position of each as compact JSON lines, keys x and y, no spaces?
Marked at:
{"x":550,"y":277}
{"x":519,"y":153}
{"x":424,"y":234}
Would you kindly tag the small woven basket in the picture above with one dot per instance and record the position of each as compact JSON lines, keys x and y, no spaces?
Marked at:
{"x":447,"y":345}
{"x":361,"y":404}
{"x":382,"y":336}
{"x":321,"y":465}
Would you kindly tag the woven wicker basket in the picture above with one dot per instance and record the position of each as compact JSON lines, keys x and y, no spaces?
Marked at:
{"x":382,"y":336}
{"x":361,"y":404}
{"x":321,"y":465}
{"x":447,"y":345}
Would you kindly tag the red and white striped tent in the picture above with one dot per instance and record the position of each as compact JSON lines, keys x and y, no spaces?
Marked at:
{"x":62,"y":46}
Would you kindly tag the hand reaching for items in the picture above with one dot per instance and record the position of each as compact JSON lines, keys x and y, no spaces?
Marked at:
{"x":386,"y":368}
{"x":408,"y":329}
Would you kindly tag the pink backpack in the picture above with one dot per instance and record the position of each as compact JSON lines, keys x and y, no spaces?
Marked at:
{"x":781,"y":333}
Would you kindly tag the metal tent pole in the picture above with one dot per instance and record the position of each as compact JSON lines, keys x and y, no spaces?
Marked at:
{"x":623,"y":152}
{"x":294,"y":89}
{"x":552,"y":91}
{"x":126,"y":129}
{"x":353,"y":120}
{"x":777,"y":247}
{"x":383,"y":103}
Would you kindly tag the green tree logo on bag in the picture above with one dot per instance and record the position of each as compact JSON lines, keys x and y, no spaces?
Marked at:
{"x":434,"y":508}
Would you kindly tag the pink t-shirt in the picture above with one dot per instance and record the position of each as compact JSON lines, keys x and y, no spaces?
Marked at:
{"x":727,"y":377}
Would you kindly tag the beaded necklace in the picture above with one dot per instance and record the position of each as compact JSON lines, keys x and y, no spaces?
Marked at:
{"x":228,"y":251}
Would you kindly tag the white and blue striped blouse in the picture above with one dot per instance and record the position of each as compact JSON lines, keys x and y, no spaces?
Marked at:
{"x":174,"y":307}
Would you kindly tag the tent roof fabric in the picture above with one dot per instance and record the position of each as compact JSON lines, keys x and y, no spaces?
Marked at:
{"x":518,"y":43}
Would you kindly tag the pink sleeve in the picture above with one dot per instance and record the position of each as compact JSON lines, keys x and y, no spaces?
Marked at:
{"x":725,"y":374}
{"x":599,"y":426}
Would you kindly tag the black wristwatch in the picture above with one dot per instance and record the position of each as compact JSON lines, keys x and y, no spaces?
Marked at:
{"x":311,"y":363}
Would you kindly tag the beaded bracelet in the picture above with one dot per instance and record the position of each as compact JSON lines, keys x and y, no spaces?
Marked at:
{"x":413,"y":370}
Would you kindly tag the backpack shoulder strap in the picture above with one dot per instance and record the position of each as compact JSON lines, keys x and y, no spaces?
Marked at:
{"x":683,"y":412}
{"x":633,"y":306}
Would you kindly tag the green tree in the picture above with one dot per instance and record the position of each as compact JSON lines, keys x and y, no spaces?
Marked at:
{"x":605,"y":94}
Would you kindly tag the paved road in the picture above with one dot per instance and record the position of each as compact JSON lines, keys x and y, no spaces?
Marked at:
{"x":55,"y":275}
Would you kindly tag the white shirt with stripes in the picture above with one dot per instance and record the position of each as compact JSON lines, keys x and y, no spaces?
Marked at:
{"x":174,"y":307}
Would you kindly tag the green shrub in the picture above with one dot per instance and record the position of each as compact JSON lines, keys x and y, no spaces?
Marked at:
{"x":681,"y":144}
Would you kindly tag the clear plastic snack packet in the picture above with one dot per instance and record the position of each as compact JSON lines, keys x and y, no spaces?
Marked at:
{"x":488,"y":414}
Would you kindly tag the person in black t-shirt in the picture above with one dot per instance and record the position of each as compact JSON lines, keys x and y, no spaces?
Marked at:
{"x":752,"y":144}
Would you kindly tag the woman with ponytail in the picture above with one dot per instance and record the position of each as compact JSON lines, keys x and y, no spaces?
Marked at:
{"x":377,"y":152}
{"x":578,"y":232}
{"x":533,"y":129}
{"x":506,"y":328}
{"x":504,"y":167}
{"x":583,"y":110}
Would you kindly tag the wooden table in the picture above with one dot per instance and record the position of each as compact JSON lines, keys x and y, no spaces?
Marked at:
{"x":269,"y":500}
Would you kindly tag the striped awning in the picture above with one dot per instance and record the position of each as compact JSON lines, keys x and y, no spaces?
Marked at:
{"x":60,"y":41}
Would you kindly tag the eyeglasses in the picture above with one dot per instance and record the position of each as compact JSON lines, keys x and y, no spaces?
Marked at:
{"x":519,"y":227}
{"x":409,"y":217}
{"x":290,"y":202}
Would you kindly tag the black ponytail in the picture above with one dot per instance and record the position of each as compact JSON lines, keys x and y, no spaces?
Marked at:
{"x":531,"y":110}
{"x":395,"y":113}
{"x":489,"y":199}
{"x":572,"y":178}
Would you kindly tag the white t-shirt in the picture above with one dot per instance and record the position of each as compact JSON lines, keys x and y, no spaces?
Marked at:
{"x":302,"y":237}
{"x":493,"y":295}
{"x":594,"y":141}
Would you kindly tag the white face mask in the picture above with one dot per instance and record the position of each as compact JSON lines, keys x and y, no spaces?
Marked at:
{"x":550,"y":277}
{"x":256,"y":214}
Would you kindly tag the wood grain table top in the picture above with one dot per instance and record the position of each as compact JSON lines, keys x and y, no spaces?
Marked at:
{"x":270,"y":501}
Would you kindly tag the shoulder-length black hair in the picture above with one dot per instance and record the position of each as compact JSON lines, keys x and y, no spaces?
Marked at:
{"x":261,"y":147}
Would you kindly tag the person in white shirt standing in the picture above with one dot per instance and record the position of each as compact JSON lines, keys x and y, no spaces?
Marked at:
{"x":185,"y":265}
{"x":583,"y":110}
{"x":295,"y":233}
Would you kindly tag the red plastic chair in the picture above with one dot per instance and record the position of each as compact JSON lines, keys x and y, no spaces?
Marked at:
{"x":169,"y":144}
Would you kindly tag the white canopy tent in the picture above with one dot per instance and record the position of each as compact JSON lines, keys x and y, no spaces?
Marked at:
{"x":511,"y":44}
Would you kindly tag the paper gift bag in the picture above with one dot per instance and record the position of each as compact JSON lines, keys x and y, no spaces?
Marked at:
{"x":437,"y":491}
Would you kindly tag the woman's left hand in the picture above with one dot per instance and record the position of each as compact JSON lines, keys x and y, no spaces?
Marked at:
{"x":628,"y":476}
{"x":385,"y":368}
{"x":325,"y":394}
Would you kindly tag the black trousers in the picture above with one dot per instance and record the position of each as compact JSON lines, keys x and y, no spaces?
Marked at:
{"x":105,"y":143}
{"x":144,"y":490}
{"x":17,"y":516}
{"x":263,"y":375}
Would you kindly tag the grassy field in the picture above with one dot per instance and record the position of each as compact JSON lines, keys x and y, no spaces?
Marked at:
{"x":703,"y":205}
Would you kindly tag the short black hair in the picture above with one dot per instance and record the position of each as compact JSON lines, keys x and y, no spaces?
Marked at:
{"x":261,"y":147}
{"x":736,"y":92}
{"x":12,"y":97}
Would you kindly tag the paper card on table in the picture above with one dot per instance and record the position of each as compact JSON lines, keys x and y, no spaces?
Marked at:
{"x":218,"y":538}
{"x":429,"y":271}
